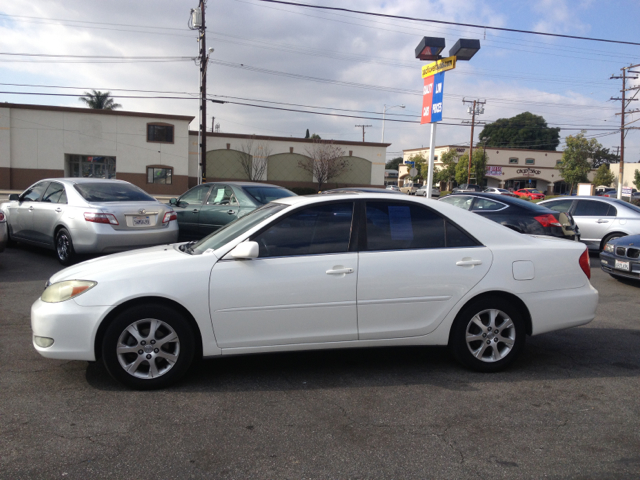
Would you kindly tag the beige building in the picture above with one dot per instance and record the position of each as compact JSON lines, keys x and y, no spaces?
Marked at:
{"x":506,"y":167}
{"x":629,"y":173}
{"x":157,"y":152}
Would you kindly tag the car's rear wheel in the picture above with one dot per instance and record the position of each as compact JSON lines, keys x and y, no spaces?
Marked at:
{"x":148,"y":346}
{"x":488,"y":334}
{"x":64,"y":247}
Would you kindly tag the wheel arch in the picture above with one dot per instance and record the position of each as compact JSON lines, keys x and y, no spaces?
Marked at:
{"x":609,"y":235}
{"x":97,"y":346}
{"x":517,"y":302}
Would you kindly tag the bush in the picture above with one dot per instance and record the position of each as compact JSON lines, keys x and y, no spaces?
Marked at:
{"x":303,"y":190}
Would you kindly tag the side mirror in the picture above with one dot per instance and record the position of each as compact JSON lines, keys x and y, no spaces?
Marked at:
{"x":173,"y":201}
{"x":14,"y":197}
{"x":245,"y":250}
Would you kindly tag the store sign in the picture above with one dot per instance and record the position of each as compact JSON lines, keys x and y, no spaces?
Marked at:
{"x":433,"y":93}
{"x":493,"y":171}
{"x":527,"y":172}
{"x":439,"y":66}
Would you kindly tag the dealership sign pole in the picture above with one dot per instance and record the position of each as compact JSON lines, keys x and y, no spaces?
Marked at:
{"x":432,"y":112}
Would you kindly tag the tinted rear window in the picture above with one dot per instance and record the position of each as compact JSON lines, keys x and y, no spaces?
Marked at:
{"x":268,"y":194}
{"x":112,"y":192}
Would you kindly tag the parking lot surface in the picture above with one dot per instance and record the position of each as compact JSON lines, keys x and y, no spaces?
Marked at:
{"x":567,"y":408}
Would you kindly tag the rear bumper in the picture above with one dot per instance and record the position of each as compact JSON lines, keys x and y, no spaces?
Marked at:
{"x":561,"y":309}
{"x":102,"y":238}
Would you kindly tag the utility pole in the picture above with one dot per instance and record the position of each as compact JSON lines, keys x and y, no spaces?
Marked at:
{"x":203,"y":93}
{"x":476,"y":109}
{"x":625,"y":103}
{"x":363,"y":127}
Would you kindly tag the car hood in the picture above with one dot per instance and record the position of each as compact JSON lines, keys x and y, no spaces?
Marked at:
{"x":133,"y":260}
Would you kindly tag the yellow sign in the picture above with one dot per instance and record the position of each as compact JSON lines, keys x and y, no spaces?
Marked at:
{"x":438,"y":66}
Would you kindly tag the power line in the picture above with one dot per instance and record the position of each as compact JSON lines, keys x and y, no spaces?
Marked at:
{"x":415,"y":19}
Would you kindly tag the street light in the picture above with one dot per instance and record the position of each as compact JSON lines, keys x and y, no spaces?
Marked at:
{"x":430,"y":48}
{"x":384,"y":111}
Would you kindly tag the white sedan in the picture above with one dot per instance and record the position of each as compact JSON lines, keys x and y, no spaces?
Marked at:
{"x":311,"y":272}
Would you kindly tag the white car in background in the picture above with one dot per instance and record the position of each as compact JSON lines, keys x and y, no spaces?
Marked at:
{"x":88,"y":215}
{"x":314,"y":272}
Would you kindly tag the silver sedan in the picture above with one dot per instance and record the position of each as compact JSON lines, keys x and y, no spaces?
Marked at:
{"x":88,"y":215}
{"x":600,"y":219}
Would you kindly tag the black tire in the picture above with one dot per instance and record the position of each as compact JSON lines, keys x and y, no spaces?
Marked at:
{"x":608,"y":238}
{"x":507,"y":337}
{"x":64,"y":247}
{"x":148,"y":361}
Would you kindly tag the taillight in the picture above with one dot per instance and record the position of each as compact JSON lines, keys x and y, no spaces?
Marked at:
{"x":101,"y":218}
{"x":170,"y":215}
{"x":585,"y":264}
{"x":1,"y":217}
{"x":548,"y":220}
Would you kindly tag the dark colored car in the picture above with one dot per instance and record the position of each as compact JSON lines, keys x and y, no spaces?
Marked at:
{"x":517,"y":214}
{"x":620,"y":257}
{"x":362,"y":189}
{"x":207,"y":207}
{"x":467,"y":187}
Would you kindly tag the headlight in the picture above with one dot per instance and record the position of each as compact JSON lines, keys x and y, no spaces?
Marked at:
{"x":609,"y":248}
{"x":61,"y":291}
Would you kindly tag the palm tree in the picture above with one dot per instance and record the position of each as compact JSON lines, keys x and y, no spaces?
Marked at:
{"x":99,"y":100}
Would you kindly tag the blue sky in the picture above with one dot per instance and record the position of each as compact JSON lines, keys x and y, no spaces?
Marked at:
{"x":565,"y":81}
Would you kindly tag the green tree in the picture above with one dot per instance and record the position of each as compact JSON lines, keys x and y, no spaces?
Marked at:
{"x":307,"y":135}
{"x":315,"y":136}
{"x":393,"y":164}
{"x":99,"y":100}
{"x":575,"y":164}
{"x":525,"y":130}
{"x":603,"y":176}
{"x":636,"y":179}
{"x":448,"y":171}
{"x":421,"y":165}
{"x":478,"y":167}
{"x":604,"y":156}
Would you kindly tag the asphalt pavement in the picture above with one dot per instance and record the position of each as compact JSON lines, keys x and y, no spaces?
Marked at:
{"x":568,"y":408}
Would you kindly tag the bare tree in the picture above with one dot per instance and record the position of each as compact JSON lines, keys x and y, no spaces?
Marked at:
{"x":326,"y":161}
{"x":253,"y":158}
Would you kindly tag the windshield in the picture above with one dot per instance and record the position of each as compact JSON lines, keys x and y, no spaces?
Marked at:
{"x":236,"y":228}
{"x":268,"y":194}
{"x":112,"y":192}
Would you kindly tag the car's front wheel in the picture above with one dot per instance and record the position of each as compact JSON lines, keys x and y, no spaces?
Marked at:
{"x":64,"y":247}
{"x":488,"y":334}
{"x":148,"y":346}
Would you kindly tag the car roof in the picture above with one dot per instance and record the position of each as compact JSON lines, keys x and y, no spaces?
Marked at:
{"x":79,"y":180}
{"x":516,"y":202}
{"x":246,"y":184}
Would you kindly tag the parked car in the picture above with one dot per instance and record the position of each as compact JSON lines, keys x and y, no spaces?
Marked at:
{"x":88,"y":215}
{"x":517,"y":214}
{"x":600,"y":219}
{"x":318,"y":271}
{"x":500,"y":191}
{"x":360,"y":189}
{"x":422,"y":192}
{"x":395,"y":188}
{"x":410,"y":189}
{"x":206,"y":208}
{"x":607,"y":192}
{"x":4,"y":236}
{"x":620,"y":257}
{"x":467,"y":187}
{"x":530,"y":193}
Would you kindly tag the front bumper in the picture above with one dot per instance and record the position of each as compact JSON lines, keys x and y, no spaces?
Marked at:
{"x":608,"y":262}
{"x":73,"y":329}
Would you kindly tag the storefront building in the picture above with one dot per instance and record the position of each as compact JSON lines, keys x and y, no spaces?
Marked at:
{"x":509,"y":168}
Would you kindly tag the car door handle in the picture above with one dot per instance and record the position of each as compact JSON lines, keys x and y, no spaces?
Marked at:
{"x":195,"y":210}
{"x":339,"y":271}
{"x":468,"y":263}
{"x":603,"y":221}
{"x":58,"y":209}
{"x":231,"y":212}
{"x":31,"y":208}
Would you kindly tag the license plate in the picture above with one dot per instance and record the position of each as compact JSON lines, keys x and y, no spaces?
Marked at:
{"x":141,"y":221}
{"x":620,"y":265}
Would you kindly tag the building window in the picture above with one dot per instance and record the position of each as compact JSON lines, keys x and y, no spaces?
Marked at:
{"x":513,"y":161}
{"x":558,"y":162}
{"x":159,"y":132}
{"x":530,"y":161}
{"x":160,"y":175}
{"x":91,"y":166}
